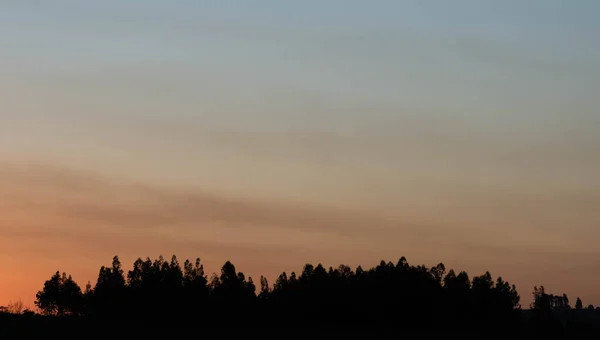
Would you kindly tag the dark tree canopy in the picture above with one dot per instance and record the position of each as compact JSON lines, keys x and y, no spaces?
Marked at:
{"x":411,"y":297}
{"x":60,"y":296}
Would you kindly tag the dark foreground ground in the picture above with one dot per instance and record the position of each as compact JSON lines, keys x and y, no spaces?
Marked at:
{"x":581,"y":323}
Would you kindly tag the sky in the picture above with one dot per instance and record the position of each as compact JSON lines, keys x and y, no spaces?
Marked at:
{"x":276,"y":133}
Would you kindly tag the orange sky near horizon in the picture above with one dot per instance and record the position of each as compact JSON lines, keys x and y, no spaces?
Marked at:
{"x":59,"y":219}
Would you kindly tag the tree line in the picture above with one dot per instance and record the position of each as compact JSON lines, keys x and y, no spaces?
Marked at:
{"x":389,"y":295}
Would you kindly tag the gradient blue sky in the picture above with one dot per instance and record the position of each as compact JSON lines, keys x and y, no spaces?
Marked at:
{"x":470,"y":126}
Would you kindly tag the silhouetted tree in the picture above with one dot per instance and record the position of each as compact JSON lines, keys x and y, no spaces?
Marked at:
{"x":60,"y":296}
{"x":265,"y":290}
{"x":438,"y":273}
{"x":544,"y":307}
{"x":109,"y":293}
{"x":47,"y":300}
{"x":232,"y":287}
{"x":541,"y":300}
{"x":195,"y":285}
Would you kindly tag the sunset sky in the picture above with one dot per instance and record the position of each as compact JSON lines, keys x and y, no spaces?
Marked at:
{"x":275,"y":133}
